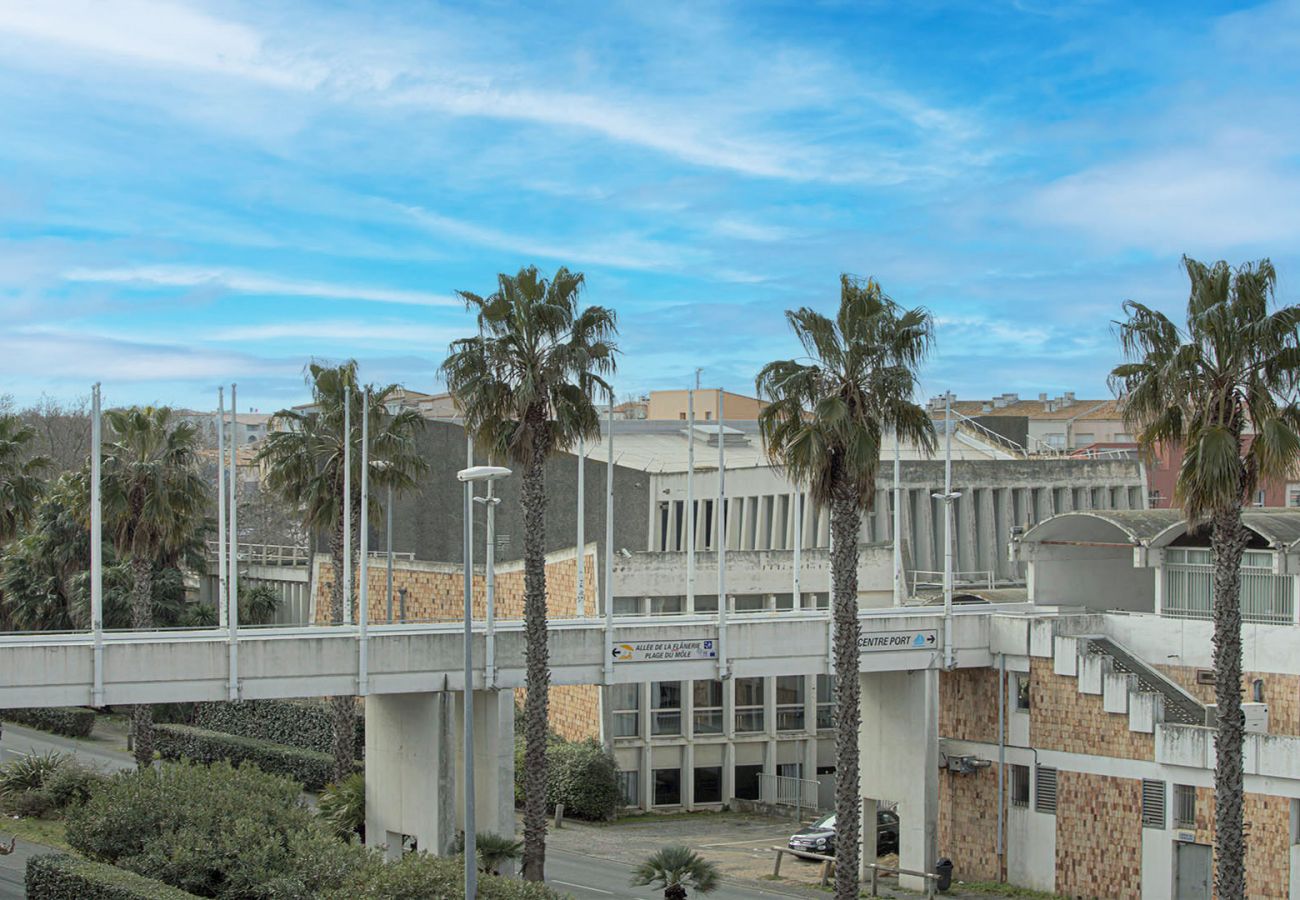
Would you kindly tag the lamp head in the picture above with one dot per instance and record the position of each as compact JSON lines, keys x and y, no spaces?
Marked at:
{"x":483,"y":473}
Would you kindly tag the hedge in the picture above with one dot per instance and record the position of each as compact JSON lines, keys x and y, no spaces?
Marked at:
{"x":305,"y":724}
{"x":583,"y":776}
{"x":58,"y":876}
{"x":71,"y":721}
{"x":312,"y":770}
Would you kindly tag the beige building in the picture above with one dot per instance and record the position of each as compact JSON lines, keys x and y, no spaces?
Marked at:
{"x":1060,"y":424}
{"x":674,"y":405}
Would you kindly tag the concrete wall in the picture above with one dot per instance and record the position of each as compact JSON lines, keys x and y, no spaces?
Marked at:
{"x":1100,"y":578}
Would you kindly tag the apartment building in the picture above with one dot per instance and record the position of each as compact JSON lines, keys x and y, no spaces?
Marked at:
{"x":1059,"y":424}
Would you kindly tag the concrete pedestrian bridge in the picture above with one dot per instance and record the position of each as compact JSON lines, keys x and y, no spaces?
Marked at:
{"x":59,"y":669}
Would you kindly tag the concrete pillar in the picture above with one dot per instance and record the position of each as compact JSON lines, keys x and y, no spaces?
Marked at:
{"x":494,"y":761}
{"x":991,"y":541}
{"x":966,"y":529}
{"x":1002,"y":525}
{"x":925,"y":558}
{"x":900,"y":759}
{"x":410,"y":766}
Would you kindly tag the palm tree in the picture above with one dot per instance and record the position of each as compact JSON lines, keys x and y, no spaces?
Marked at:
{"x":304,"y":466}
{"x":1223,"y":389}
{"x":524,"y":384}
{"x":343,"y":806}
{"x":153,"y":503}
{"x":494,"y":851}
{"x":20,"y":476}
{"x":675,"y":869}
{"x":823,"y":425}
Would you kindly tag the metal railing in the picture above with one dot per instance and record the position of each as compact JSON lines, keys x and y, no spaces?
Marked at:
{"x":985,"y":578}
{"x":784,"y":790}
{"x":1036,"y":448}
{"x":268,"y":554}
{"x":1188,"y":575}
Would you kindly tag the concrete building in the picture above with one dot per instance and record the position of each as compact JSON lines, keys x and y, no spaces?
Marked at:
{"x":675,"y":406}
{"x":1046,"y":425}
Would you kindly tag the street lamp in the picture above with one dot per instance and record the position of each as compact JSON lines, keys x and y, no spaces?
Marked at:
{"x":382,"y":465}
{"x":469,"y":476}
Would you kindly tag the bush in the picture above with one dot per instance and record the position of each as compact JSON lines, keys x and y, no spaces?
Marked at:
{"x":305,"y":724}
{"x":29,"y":772}
{"x":311,"y":770}
{"x":343,"y":806}
{"x":70,"y":721}
{"x":584,"y":777}
{"x":72,"y":784}
{"x":419,"y":875}
{"x":214,"y":831}
{"x":40,"y":783}
{"x":63,"y":877}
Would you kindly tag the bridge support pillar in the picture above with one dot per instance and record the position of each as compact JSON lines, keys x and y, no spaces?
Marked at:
{"x":410,"y":781}
{"x":494,"y":761}
{"x":899,"y":742}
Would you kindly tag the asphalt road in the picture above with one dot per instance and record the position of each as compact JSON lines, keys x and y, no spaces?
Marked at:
{"x":592,"y":878}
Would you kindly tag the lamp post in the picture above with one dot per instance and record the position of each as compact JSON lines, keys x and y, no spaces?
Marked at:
{"x":468,"y":477}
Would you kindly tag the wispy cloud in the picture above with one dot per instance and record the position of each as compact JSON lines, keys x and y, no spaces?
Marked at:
{"x":253,"y":283}
{"x":347,"y":331}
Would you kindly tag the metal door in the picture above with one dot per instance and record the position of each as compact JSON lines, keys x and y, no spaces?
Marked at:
{"x":1192,"y":866}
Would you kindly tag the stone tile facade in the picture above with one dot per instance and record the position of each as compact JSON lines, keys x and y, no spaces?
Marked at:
{"x":968,"y":821}
{"x":574,"y":711}
{"x":1281,"y":693}
{"x":968,"y":705}
{"x":1268,"y":840}
{"x":1060,"y":718}
{"x":1098,"y":836}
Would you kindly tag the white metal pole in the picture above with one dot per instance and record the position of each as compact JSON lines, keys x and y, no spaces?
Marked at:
{"x":96,"y":547}
{"x":232,"y":584}
{"x":609,"y":543}
{"x":467,"y":725}
{"x":489,"y":561}
{"x":690,"y":496}
{"x":947,"y":533}
{"x":899,"y":588}
{"x":222,"y":608}
{"x":796,"y":510}
{"x":722,"y":541}
{"x":388,"y":539}
{"x":363,"y":600}
{"x":580,"y":603}
{"x":347,"y":504}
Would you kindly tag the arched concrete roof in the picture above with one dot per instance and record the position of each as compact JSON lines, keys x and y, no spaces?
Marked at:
{"x":1156,"y":527}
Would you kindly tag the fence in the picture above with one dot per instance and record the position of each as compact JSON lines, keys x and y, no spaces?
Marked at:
{"x":267,"y":554}
{"x":985,"y":578}
{"x":1189,"y":587}
{"x":783,"y":790}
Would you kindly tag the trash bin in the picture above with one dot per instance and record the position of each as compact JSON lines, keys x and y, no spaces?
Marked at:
{"x":943,"y":868}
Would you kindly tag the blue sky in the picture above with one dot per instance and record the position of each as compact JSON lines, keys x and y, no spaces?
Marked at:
{"x":196,"y":193}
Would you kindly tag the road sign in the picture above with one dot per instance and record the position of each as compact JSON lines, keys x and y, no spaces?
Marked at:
{"x":920,"y":639}
{"x":661,"y":651}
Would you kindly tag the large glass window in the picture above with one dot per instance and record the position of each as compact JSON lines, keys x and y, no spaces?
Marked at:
{"x":667,"y":606}
{"x":707,"y":707}
{"x":708,"y":784}
{"x":790,"y":703}
{"x":629,"y":787}
{"x":625,"y":703}
{"x":668,"y":787}
{"x":749,"y":704}
{"x":747,"y":781}
{"x":825,"y":701}
{"x":665,"y":707}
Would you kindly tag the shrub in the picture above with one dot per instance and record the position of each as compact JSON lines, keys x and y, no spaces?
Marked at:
{"x":70,"y":721}
{"x":343,"y":806}
{"x":584,"y":778}
{"x":40,"y":783}
{"x":215,"y":831}
{"x":306,"y":724}
{"x":63,"y":877}
{"x":419,"y":875}
{"x":312,"y":770}
{"x":29,"y":772}
{"x":72,"y":784}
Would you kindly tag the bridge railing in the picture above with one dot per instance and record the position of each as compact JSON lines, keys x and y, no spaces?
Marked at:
{"x":785,"y":790}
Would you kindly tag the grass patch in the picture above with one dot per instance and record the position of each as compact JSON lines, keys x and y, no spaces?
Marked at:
{"x":998,"y":889}
{"x":49,"y":832}
{"x":650,"y":818}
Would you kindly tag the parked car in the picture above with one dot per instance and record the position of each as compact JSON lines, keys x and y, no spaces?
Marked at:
{"x":819,"y":837}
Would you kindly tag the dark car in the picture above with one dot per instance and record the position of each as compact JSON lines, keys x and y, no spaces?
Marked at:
{"x":819,"y":837}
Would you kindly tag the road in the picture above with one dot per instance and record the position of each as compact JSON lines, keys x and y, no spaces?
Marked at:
{"x":592,"y":878}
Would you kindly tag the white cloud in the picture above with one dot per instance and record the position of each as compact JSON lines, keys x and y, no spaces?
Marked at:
{"x":746,"y":230}
{"x":253,"y":283}
{"x":354,"y":331}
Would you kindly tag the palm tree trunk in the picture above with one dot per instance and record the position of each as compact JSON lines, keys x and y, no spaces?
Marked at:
{"x":846,"y":520}
{"x":1228,"y":541}
{"x":537,"y":658}
{"x":343,"y":709}
{"x":142,"y":618}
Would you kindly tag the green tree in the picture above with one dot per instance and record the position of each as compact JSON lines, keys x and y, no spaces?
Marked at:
{"x":677,"y":868}
{"x":304,"y":465}
{"x":20,"y":476}
{"x":525,"y":384}
{"x":824,"y":422}
{"x":1223,"y":389}
{"x":153,"y":508}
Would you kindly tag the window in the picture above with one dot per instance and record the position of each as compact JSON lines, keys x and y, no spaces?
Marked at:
{"x":749,"y":704}
{"x":1045,"y":790}
{"x":747,"y":782}
{"x":707,"y":707}
{"x":682,"y":416}
{"x":629,"y":787}
{"x":627,"y":606}
{"x":666,"y":707}
{"x":1019,"y":785}
{"x":1022,"y":693}
{"x":1259,"y":498}
{"x":667,"y":606}
{"x":708,"y":414}
{"x":1184,"y":806}
{"x":1153,"y":804}
{"x":1083,"y":439}
{"x":1055,"y":439}
{"x":1293,"y":495}
{"x":625,"y":704}
{"x":668,"y":787}
{"x":825,"y":701}
{"x":708,"y":784}
{"x":790,"y":703}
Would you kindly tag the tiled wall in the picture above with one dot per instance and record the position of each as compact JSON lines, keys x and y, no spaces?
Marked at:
{"x":1098,"y":836}
{"x":968,"y":705}
{"x":968,"y":822}
{"x":1281,"y":693}
{"x":1060,"y":718}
